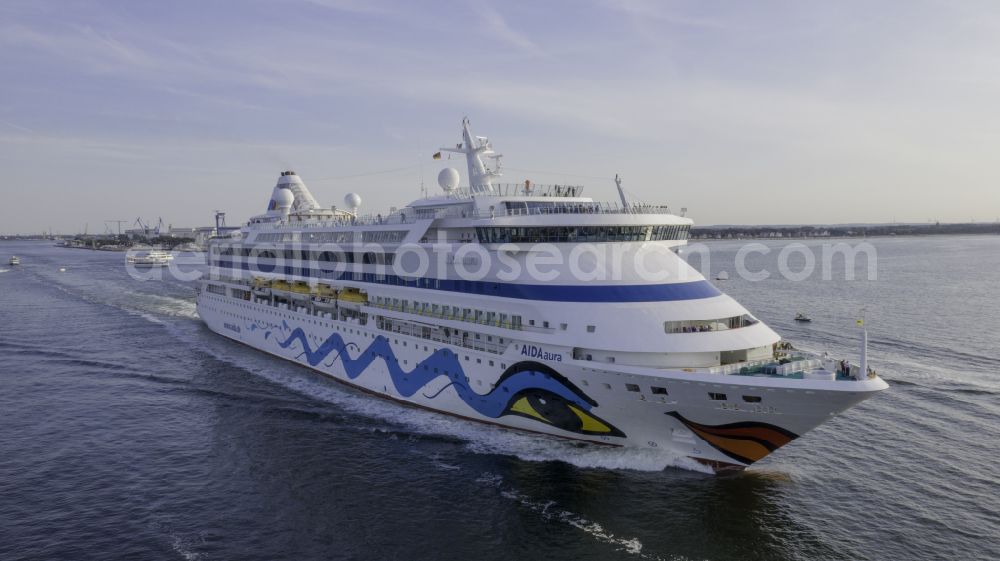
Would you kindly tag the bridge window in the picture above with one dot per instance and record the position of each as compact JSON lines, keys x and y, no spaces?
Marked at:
{"x":657,"y":390}
{"x":632,"y":387}
{"x":716,"y":396}
{"x":702,"y":325}
{"x":751,"y":398}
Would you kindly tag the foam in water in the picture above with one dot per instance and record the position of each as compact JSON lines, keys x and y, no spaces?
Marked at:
{"x":184,"y":548}
{"x":149,"y":306}
{"x":550,"y":511}
{"x":163,"y":305}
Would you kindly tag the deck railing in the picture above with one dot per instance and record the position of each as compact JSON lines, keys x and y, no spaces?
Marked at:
{"x":410,"y":216}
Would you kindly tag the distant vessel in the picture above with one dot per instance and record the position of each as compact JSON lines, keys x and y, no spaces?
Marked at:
{"x":191,"y":248}
{"x":723,"y":275}
{"x":14,"y":260}
{"x":802,"y":317}
{"x":670,"y":363}
{"x":152,"y":258}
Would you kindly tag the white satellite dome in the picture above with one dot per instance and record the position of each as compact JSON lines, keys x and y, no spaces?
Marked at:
{"x":448,"y":179}
{"x":352,"y":200}
{"x":283,"y":198}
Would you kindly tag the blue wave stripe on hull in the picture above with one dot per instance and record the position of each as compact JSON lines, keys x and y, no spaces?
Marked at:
{"x":546,"y":292}
{"x":441,"y":362}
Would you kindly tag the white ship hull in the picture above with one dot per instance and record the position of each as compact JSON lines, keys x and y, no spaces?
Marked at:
{"x":551,"y":395}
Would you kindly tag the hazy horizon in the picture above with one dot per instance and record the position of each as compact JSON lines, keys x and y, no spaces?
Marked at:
{"x":770,"y":113}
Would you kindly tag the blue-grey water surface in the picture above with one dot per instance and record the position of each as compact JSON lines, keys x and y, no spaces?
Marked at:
{"x":130,"y":431}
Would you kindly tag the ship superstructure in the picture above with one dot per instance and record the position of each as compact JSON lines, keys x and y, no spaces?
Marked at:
{"x":528,"y":306}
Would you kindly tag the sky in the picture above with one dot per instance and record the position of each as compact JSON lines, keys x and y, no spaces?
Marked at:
{"x":742,"y":112}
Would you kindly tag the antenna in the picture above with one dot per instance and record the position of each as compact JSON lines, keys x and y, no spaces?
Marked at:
{"x":621,"y":192}
{"x":475,"y":148}
{"x":423,"y":190}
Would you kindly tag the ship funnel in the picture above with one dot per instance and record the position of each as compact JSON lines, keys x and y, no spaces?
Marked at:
{"x":304,"y":200}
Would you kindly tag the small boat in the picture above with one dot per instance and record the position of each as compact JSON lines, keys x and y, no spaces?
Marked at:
{"x":14,"y":260}
{"x":152,"y":258}
{"x":802,"y":317}
{"x":723,"y":275}
{"x":190,"y":248}
{"x":62,"y":269}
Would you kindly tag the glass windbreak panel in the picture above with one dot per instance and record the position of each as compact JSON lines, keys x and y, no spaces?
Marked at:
{"x":571,"y":234}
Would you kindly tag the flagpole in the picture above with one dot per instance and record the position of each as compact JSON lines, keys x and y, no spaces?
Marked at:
{"x":864,"y":347}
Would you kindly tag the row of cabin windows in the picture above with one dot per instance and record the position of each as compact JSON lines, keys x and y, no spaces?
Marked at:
{"x":383,"y":236}
{"x":470,"y":339}
{"x":450,"y":312}
{"x":571,"y":234}
{"x":377,"y":236}
{"x":424,"y":332}
{"x":365,"y":257}
{"x":464,"y":314}
{"x":380,"y":236}
{"x":656,"y":390}
{"x":714,"y":396}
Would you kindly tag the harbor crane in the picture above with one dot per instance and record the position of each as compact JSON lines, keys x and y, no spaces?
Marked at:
{"x":118,"y":222}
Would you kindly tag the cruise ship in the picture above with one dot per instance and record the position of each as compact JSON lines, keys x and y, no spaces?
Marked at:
{"x":526,"y":306}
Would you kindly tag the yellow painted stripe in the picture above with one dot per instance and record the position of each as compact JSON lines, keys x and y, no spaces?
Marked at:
{"x":590,"y":424}
{"x":522,"y":406}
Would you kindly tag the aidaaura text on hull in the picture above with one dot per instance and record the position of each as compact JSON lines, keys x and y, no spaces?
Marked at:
{"x":527,"y":306}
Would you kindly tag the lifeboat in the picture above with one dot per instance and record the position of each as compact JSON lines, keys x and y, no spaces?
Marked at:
{"x":353,"y":295}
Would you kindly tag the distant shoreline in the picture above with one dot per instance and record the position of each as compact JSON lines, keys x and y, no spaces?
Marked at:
{"x":841,"y":231}
{"x":726,"y":232}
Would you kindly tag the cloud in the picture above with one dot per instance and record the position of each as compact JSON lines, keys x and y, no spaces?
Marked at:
{"x":351,"y":6}
{"x":16,"y":126}
{"x":765,"y":98}
{"x":657,"y":11}
{"x":498,"y":27}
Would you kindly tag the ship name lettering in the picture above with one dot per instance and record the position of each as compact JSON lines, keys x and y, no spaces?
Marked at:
{"x":540,"y":353}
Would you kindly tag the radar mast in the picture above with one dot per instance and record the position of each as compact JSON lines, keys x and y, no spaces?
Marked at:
{"x":475,"y":149}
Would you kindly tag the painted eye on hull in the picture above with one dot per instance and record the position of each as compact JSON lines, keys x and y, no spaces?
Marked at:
{"x":553,"y":410}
